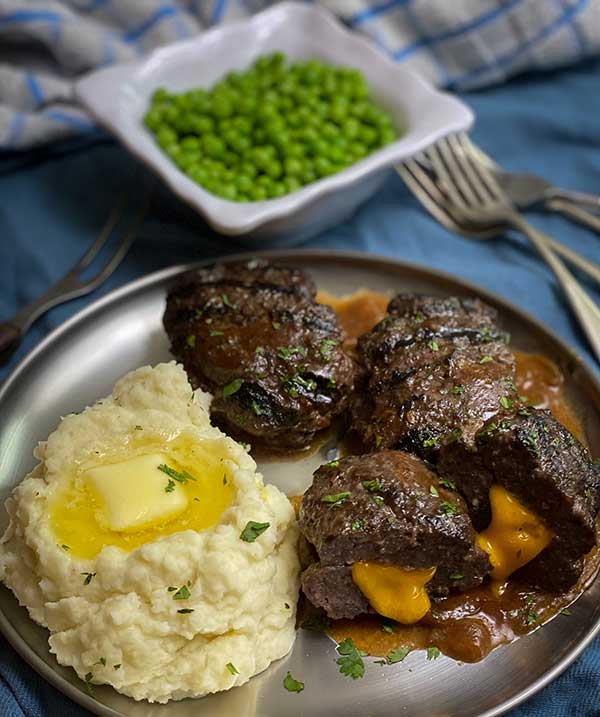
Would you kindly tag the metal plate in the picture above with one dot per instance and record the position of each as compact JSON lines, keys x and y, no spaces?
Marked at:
{"x":80,"y":362}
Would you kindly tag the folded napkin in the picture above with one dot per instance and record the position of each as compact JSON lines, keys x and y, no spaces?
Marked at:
{"x":458,"y":44}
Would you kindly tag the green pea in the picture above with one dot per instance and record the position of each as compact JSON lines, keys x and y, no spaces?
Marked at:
{"x":258,"y":193}
{"x":214,"y":146}
{"x":244,"y":183}
{"x":274,"y":169}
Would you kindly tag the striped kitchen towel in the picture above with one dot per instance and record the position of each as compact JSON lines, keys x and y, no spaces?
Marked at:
{"x":458,"y":44}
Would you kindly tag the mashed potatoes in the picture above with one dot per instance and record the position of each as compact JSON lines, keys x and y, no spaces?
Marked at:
{"x":161,"y":600}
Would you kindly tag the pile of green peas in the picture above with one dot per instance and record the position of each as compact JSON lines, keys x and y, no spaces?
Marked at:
{"x":268,"y":131}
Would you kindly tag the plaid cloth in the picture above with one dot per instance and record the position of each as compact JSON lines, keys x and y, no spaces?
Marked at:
{"x":458,"y":44}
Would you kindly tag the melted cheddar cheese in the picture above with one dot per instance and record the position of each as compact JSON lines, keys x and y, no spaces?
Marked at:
{"x":515,"y":535}
{"x":393,"y":591}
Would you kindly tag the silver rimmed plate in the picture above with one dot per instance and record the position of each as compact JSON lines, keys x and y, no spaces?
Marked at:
{"x":81,"y":361}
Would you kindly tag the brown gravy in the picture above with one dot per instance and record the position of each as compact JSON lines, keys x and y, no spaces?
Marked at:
{"x":465,"y":627}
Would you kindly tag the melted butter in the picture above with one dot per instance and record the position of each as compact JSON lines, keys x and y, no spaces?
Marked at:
{"x":393,"y":591}
{"x":515,"y":535}
{"x":76,"y":511}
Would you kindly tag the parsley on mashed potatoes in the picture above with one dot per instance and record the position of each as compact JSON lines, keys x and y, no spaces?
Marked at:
{"x":146,"y":542}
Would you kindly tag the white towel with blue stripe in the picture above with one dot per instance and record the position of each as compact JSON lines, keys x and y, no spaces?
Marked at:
{"x":457,"y":44}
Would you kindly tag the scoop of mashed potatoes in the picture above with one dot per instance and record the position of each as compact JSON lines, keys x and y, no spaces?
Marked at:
{"x":190,"y":597}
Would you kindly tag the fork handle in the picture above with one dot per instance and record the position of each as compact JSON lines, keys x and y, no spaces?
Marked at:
{"x":583,"y":306}
{"x":582,"y":199}
{"x":572,"y":211}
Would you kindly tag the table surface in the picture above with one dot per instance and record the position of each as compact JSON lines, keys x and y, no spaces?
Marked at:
{"x":54,"y":201}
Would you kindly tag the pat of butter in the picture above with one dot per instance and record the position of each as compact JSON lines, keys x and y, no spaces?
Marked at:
{"x":515,"y":535}
{"x":133,"y":493}
{"x":393,"y":591}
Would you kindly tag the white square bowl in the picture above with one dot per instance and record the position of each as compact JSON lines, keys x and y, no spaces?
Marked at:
{"x":118,"y":98}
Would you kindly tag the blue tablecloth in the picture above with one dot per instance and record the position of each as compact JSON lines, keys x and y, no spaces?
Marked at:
{"x":53,"y":202}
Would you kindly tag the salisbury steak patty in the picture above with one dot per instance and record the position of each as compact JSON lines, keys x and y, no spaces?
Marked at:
{"x":548,"y":470}
{"x":252,"y":334}
{"x":386,"y":507}
{"x":432,"y":370}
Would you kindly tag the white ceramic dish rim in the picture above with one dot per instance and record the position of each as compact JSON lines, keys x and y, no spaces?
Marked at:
{"x":101,"y":92}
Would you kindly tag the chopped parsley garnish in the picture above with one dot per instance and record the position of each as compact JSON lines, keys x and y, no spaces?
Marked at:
{"x":224,"y":478}
{"x":233,"y":387}
{"x":326,"y":347}
{"x":256,"y":408}
{"x":225,"y":300}
{"x":214,"y":332}
{"x":433,"y":345}
{"x":336,"y":499}
{"x":456,"y":576}
{"x":458,"y":390}
{"x":418,"y":317}
{"x":253,"y":530}
{"x":597,"y":462}
{"x":117,"y":666}
{"x":259,"y":350}
{"x":447,"y":483}
{"x":448,"y":508}
{"x":434,"y":491}
{"x":285,"y":352}
{"x":208,"y":321}
{"x":183,"y":593}
{"x":190,"y":341}
{"x":530,"y":441}
{"x":88,"y":683}
{"x":378,"y":440}
{"x":529,"y":599}
{"x":170,"y":487}
{"x":356,"y":525}
{"x":295,"y":385}
{"x":185,"y":610}
{"x":387,"y":628}
{"x":65,"y":547}
{"x":88,"y":578}
{"x":588,"y":492}
{"x":532,"y":617}
{"x":373,"y":486}
{"x":276,"y":325}
{"x":523,"y":412}
{"x":138,"y":428}
{"x":171,"y":589}
{"x":350,"y":661}
{"x":102,"y":661}
{"x":433,"y":653}
{"x":565,"y":611}
{"x":332,"y":464}
{"x":292,"y":685}
{"x":232,"y":668}
{"x":486,"y":359}
{"x":179,"y":476}
{"x":429,"y":442}
{"x":397,"y":655}
{"x":506,"y":402}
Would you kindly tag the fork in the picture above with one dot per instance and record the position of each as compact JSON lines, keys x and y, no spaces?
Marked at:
{"x":476,"y":196}
{"x":70,"y":286}
{"x":526,"y":190}
{"x":423,"y":185}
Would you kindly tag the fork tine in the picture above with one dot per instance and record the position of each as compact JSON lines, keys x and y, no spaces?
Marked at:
{"x":103,"y":235}
{"x":122,"y":249}
{"x":482,"y":172}
{"x":455,"y":156}
{"x":423,"y":189}
{"x":451,"y":186}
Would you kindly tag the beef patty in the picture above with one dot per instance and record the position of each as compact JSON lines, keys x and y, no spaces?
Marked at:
{"x":432,"y":370}
{"x":386,"y":507}
{"x":252,"y":334}
{"x":535,"y":458}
